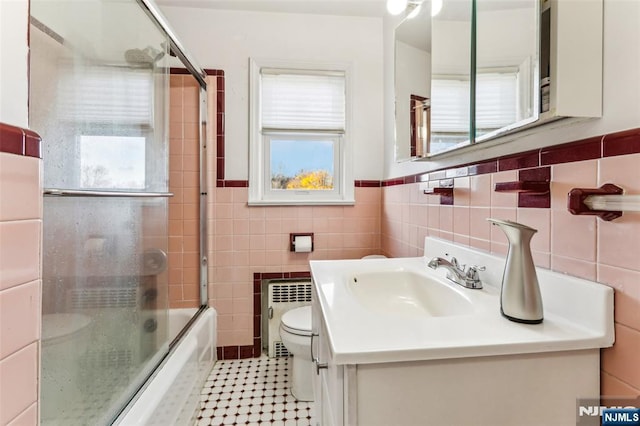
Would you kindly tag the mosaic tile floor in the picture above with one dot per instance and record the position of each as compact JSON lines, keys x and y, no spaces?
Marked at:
{"x":252,"y":391}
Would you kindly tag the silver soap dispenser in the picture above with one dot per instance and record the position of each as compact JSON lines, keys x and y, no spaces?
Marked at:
{"x":520,"y":298}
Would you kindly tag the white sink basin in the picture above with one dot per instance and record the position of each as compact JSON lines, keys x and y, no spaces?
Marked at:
{"x":389,"y":310}
{"x":408,"y":294}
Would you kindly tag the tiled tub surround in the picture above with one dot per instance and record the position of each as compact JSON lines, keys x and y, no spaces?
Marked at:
{"x":20,"y":274}
{"x":584,"y":246}
{"x":184,"y":183}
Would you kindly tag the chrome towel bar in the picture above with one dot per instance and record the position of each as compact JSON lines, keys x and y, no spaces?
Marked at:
{"x":50,"y":192}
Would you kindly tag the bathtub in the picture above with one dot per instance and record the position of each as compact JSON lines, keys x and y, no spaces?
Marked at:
{"x":172,"y":395}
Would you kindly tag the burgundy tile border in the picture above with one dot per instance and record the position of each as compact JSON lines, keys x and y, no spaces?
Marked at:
{"x":232,"y":183}
{"x":179,"y":71}
{"x":184,"y":71}
{"x":220,"y":134}
{"x":586,"y":149}
{"x":11,"y":139}
{"x":619,"y":143}
{"x":367,"y":184}
{"x":519,"y":161}
{"x":540,"y":174}
{"x":482,"y":168}
{"x":393,"y":182}
{"x":19,"y":141}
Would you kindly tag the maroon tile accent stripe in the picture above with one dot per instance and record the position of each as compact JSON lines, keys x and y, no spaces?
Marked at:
{"x":19,"y":141}
{"x":220,"y":183}
{"x":519,"y":161}
{"x":255,"y":350}
{"x":619,"y":143}
{"x":393,"y":182}
{"x":179,"y":71}
{"x":367,"y":184}
{"x":586,"y":149}
{"x":482,"y":168}
{"x":219,"y":127}
{"x":184,"y":71}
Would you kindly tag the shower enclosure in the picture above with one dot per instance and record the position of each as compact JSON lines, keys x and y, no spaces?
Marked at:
{"x":99,"y":97}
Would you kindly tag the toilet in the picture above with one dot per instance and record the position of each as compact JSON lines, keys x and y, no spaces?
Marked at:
{"x":295,"y":332}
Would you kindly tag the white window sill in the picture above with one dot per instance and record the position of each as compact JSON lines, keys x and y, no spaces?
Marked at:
{"x":301,"y":202}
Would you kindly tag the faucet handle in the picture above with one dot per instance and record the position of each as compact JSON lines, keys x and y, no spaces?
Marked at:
{"x":456,"y":264}
{"x":472,"y":273}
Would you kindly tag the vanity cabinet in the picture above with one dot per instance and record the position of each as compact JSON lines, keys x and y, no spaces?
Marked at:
{"x":522,"y":389}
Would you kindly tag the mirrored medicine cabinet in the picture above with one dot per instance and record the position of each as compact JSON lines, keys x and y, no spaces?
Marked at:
{"x":481,"y":69}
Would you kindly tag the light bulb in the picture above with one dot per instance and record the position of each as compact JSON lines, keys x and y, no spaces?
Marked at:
{"x":396,"y":7}
{"x":436,"y":7}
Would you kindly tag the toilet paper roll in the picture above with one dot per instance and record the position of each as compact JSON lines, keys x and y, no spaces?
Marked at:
{"x":302,"y":243}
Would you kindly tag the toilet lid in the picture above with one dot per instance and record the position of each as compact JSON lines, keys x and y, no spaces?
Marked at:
{"x":58,"y":326}
{"x":297,"y":320}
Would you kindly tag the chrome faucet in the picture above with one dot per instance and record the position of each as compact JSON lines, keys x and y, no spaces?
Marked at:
{"x":456,"y":273}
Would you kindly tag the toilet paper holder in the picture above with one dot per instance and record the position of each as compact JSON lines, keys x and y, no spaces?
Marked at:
{"x":292,"y":240}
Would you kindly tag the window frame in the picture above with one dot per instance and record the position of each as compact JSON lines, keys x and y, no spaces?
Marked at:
{"x":260,"y":191}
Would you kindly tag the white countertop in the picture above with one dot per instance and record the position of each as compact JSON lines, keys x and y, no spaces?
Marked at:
{"x":578,"y":314}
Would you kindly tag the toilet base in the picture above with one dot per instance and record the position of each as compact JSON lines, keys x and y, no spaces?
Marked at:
{"x":301,"y":378}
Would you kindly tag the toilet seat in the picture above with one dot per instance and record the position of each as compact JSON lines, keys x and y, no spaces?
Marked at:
{"x":297,"y":321}
{"x":62,"y":327}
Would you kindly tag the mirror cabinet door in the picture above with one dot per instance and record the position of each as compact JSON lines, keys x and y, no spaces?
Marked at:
{"x":507,"y":70}
{"x":451,"y":49}
{"x":412,"y":84}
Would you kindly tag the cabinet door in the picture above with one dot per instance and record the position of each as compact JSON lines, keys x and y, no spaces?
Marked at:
{"x":328,"y":378}
{"x":318,"y":394}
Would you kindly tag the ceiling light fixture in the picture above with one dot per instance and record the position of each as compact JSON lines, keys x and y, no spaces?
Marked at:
{"x":396,"y":7}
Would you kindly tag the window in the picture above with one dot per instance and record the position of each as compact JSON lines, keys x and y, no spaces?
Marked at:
{"x":110,"y":111}
{"x":299,"y":140}
{"x":112,"y":162}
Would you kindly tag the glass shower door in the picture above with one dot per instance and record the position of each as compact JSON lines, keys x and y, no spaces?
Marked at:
{"x":99,"y":88}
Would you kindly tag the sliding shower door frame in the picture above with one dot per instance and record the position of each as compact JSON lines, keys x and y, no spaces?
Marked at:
{"x":200,"y":75}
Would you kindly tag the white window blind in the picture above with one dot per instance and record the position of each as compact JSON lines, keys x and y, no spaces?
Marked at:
{"x":102,"y":95}
{"x":450,"y":105}
{"x":496,"y":100}
{"x":299,"y":101}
